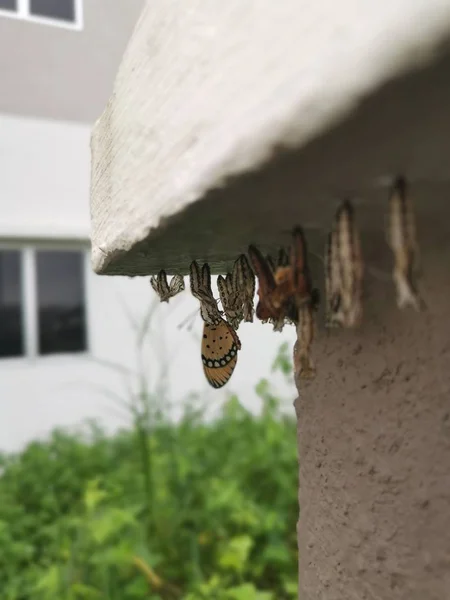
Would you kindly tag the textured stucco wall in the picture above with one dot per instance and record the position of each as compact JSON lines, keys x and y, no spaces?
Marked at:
{"x":374,"y":439}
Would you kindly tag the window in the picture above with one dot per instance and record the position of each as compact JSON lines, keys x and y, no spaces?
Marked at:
{"x":66,"y":13}
{"x":9,"y":5}
{"x":60,"y":300}
{"x":42,"y":302}
{"x":11,"y":322}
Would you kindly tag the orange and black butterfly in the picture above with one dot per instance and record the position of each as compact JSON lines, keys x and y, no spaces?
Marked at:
{"x":220,"y":343}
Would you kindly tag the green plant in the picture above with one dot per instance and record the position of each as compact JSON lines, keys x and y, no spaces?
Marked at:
{"x":84,"y":516}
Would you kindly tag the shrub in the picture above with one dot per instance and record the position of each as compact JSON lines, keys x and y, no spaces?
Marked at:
{"x":191,"y":510}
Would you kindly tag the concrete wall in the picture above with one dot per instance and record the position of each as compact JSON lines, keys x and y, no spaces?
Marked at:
{"x":374,"y":434}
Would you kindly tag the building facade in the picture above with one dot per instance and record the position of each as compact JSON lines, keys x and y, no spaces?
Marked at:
{"x":67,"y":336}
{"x":57,"y":63}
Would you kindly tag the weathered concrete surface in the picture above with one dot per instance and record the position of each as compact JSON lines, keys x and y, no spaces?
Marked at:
{"x":374,"y":440}
{"x":213,"y":142}
{"x":405,"y":127}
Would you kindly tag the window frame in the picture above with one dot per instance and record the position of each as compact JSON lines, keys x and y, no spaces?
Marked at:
{"x":23,"y":13}
{"x":29,"y":299}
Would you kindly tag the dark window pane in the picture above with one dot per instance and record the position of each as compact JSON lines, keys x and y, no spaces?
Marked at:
{"x":11,"y":338}
{"x":61,"y":303}
{"x":63,"y":10}
{"x":8,"y":5}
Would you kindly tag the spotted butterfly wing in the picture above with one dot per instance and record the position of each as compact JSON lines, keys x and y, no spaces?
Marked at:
{"x":220,"y":345}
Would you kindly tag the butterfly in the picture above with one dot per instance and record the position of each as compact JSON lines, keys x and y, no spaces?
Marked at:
{"x":220,"y":343}
{"x":200,"y":282}
{"x":165,"y":290}
{"x":403,"y":242}
{"x":236,"y":292}
{"x":231,"y":299}
{"x":287,"y":287}
{"x":245,"y":282}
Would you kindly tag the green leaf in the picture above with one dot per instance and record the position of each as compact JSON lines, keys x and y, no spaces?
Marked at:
{"x":247,"y":591}
{"x":93,"y":495}
{"x":50,"y":581}
{"x":110,"y":523}
{"x":235,"y":553}
{"x":290,"y":586}
{"x":80,"y":591}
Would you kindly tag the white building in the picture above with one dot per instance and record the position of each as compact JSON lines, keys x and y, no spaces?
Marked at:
{"x":62,"y":327}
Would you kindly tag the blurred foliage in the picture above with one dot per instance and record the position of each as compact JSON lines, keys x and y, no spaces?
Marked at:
{"x":191,"y":510}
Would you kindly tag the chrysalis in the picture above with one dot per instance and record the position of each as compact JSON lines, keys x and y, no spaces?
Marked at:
{"x":403,"y":242}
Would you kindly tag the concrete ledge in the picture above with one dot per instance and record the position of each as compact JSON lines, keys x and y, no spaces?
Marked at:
{"x":231,"y":123}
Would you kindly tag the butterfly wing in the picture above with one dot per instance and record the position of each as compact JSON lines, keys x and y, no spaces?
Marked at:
{"x":266,"y":282}
{"x":206,"y":279}
{"x":163,"y":286}
{"x":248,"y":285}
{"x":222,"y":287}
{"x":263,"y":271}
{"x":270,"y":261}
{"x":248,"y":277}
{"x":283,"y":258}
{"x":176,"y":285}
{"x":220,"y":345}
{"x":195,"y":279}
{"x":154,"y":284}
